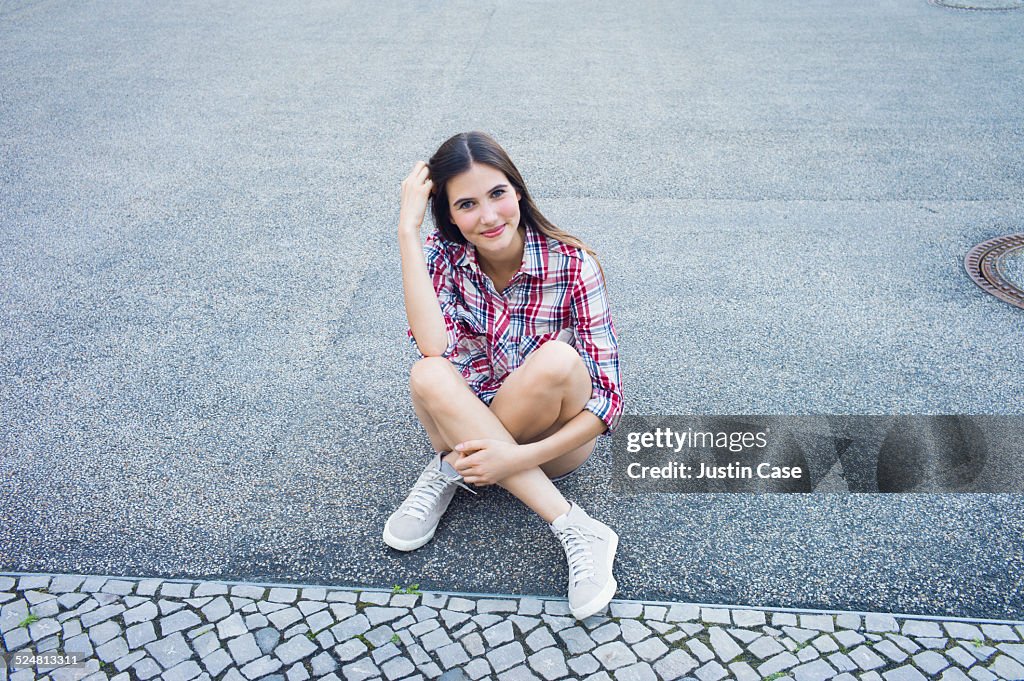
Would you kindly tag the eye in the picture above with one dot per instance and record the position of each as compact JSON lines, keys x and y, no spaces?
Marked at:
{"x":463,"y":204}
{"x":497,"y":192}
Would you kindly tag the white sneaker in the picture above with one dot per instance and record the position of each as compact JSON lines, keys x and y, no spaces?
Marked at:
{"x":415,"y":521}
{"x":590,"y":549}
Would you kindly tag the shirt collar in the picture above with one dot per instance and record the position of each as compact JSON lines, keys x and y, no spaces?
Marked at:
{"x":535,"y":255}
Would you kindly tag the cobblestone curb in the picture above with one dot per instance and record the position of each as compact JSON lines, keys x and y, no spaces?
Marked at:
{"x":183,"y":631}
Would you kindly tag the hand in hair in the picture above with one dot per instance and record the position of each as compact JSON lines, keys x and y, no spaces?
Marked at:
{"x":416,"y":188}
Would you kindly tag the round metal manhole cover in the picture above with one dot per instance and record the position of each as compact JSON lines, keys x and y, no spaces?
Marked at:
{"x":997,"y":266}
{"x":982,"y":5}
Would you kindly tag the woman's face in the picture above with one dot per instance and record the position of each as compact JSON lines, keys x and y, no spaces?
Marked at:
{"x":484,"y":205}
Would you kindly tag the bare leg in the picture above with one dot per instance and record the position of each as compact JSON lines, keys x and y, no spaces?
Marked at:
{"x":451,"y":413}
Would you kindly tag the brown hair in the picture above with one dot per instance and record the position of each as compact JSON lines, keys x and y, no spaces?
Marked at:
{"x":456,"y":156}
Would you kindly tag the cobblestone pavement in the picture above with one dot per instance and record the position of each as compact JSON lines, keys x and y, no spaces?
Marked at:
{"x":184,"y":630}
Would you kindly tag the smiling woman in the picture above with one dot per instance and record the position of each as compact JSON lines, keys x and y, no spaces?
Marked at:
{"x":519,"y":369}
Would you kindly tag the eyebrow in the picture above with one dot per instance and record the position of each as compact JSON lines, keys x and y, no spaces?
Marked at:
{"x":497,"y":186}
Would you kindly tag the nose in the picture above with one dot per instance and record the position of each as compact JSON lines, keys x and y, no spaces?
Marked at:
{"x":489,"y":215}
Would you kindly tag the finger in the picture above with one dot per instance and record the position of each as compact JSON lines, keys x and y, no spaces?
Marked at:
{"x":471,"y":445}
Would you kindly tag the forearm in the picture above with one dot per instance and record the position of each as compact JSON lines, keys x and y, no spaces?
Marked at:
{"x":421,"y":307}
{"x":578,"y":431}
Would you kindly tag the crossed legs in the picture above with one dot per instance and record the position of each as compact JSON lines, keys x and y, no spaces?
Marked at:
{"x":550,"y":388}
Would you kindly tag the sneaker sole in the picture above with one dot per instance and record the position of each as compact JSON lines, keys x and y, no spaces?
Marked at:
{"x":604,"y":597}
{"x":406,"y":544}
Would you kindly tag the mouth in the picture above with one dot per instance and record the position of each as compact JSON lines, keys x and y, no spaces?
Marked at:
{"x":494,"y":232}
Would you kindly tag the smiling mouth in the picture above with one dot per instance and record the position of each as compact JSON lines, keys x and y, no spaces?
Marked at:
{"x":494,"y":232}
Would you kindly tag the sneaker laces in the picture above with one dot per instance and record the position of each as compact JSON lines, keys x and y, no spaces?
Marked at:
{"x":576,"y":542}
{"x":428,"y":489}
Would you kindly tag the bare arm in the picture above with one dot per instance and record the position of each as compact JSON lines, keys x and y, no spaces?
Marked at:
{"x":421,"y":306}
{"x":576,"y":432}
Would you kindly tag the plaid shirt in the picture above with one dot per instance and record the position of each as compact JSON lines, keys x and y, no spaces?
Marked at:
{"x":558,"y":293}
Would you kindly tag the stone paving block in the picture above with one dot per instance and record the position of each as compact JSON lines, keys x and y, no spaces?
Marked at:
{"x":113,"y":649}
{"x":267,"y":639}
{"x":961,"y":656}
{"x":954,"y":674}
{"x":282,"y":595}
{"x":584,"y":664}
{"x":169,"y":651}
{"x":461,"y":604}
{"x":397,"y":668}
{"x":549,"y":663}
{"x":577,"y":640}
{"x":322,"y":620}
{"x":231,"y":626}
{"x":905,"y":673}
{"x":1014,"y":650}
{"x":778,"y":663}
{"x":465,"y":629}
{"x":724,"y":646}
{"x":614,"y":655}
{"x":799,"y":635}
{"x":848,"y":620}
{"x":541,"y":638}
{"x":825,"y":644}
{"x":999,"y":632}
{"x":359,"y":670}
{"x":981,"y":674}
{"x":650,"y":649}
{"x":266,"y":607}
{"x":1006,"y":667}
{"x":178,"y":622}
{"x":452,"y":618}
{"x":876,"y":622}
{"x":921,"y":628}
{"x":167,"y":606}
{"x":435,"y":639}
{"x":282,"y":619}
{"x":295,"y":649}
{"x":783,"y":619}
{"x":217,"y":609}
{"x":76,"y":644}
{"x":452,"y":655}
{"x":626,"y":610}
{"x":641,"y":671}
{"x":842,"y":662}
{"x":904,"y":642}
{"x":748,"y":618}
{"x":487,"y":620}
{"x":244,"y":649}
{"x":204,"y":644}
{"x":477,"y":669}
{"x":556,"y":624}
{"x":353,"y":626}
{"x":423,"y":627}
{"x":712,"y":671}
{"x":350,"y":650}
{"x":891,"y":650}
{"x":980,"y":652}
{"x":499,"y":633}
{"x":176,"y":590}
{"x":848,"y":639}
{"x":250,"y":591}
{"x":865,"y":658}
{"x":474,"y":645}
{"x":385,"y":652}
{"x":701,"y":651}
{"x":524,"y":624}
{"x":818,"y":670}
{"x":261,"y":667}
{"x":715,"y":616}
{"x":101,"y":614}
{"x":933,"y":643}
{"x":74,"y":628}
{"x":930,"y":662}
{"x":520,"y":673}
{"x":307,"y":607}
{"x":817,"y":622}
{"x":506,"y":656}
{"x":381,"y":615}
{"x":183,"y":671}
{"x":142,"y":613}
{"x":101,"y":633}
{"x":146,"y":668}
{"x":682,"y":612}
{"x":633,"y":631}
{"x":30,"y":582}
{"x":605,"y":633}
{"x":744,"y":672}
{"x":70,"y":600}
{"x":655,"y":612}
{"x":374,"y":597}
{"x":380,"y":635}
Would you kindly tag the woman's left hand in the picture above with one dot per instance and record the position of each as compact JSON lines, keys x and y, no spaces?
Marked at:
{"x":485,"y":462}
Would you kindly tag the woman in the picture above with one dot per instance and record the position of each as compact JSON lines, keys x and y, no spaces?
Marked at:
{"x":519,"y":371}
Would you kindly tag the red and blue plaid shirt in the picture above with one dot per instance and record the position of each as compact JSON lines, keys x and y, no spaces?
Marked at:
{"x":558,"y":293}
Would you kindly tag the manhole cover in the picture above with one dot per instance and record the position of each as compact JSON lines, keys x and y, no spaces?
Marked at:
{"x":983,"y":5}
{"x":994,"y":265}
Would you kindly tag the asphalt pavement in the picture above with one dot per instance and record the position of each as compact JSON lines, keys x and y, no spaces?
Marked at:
{"x":203,"y":363}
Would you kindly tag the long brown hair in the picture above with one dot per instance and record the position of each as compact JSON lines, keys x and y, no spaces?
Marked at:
{"x":456,"y":156}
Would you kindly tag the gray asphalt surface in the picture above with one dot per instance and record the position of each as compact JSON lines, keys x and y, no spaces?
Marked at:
{"x":202,"y":352}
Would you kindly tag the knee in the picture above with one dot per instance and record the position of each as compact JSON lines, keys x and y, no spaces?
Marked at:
{"x":555,"y":362}
{"x":430,"y":377}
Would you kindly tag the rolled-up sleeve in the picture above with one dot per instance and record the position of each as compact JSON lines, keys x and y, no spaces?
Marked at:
{"x":597,"y":343}
{"x":440,"y":271}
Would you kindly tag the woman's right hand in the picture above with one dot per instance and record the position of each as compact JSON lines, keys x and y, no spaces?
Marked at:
{"x":416,"y":189}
